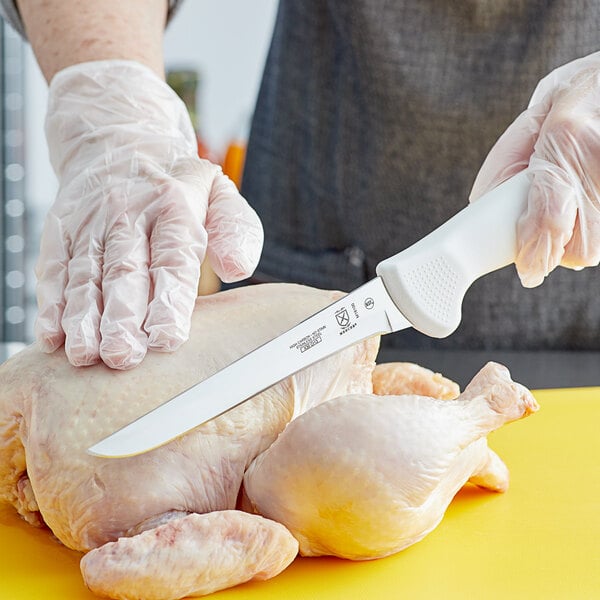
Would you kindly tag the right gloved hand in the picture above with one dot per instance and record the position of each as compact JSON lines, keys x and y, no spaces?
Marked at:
{"x":558,"y":139}
{"x":134,"y":216}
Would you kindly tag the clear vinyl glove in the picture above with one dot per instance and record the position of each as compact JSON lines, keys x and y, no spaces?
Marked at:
{"x":135,"y":214}
{"x":558,"y":137}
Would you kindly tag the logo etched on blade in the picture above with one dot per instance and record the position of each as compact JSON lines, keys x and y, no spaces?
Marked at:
{"x":342,"y":317}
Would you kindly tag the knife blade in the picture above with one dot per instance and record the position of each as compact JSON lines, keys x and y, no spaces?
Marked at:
{"x":421,"y":287}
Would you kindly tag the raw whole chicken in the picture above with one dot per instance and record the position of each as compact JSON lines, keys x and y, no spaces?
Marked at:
{"x":318,"y":463}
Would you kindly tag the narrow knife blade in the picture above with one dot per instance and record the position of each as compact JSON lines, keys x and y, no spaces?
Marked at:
{"x":365,"y":312}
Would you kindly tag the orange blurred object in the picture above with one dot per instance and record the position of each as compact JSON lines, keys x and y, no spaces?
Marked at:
{"x":233,"y":163}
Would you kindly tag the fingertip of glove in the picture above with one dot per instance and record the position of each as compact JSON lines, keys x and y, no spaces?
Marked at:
{"x":80,"y":355}
{"x":123,"y":360}
{"x":48,"y":343}
{"x":160,"y":340}
{"x":238,"y":268}
{"x":121,"y":355}
{"x":48,"y":337}
{"x":121,"y":348}
{"x":83,"y":360}
{"x":236,"y":262}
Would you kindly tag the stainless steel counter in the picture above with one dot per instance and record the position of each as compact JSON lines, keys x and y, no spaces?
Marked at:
{"x":535,"y":370}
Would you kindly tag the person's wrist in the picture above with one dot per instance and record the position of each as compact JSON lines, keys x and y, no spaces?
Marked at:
{"x":63,"y":33}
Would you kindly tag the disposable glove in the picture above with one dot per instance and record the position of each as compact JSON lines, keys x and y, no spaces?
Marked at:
{"x":135,"y":214}
{"x":558,"y":136}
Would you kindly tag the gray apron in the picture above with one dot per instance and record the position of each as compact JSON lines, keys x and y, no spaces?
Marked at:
{"x":372,"y":121}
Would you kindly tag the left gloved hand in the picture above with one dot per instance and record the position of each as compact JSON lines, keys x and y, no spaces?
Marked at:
{"x":135,"y":214}
{"x":558,"y":137}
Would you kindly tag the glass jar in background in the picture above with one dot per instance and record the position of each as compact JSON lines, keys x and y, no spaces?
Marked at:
{"x":186,"y":84}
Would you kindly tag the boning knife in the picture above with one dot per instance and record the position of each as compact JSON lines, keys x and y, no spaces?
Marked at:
{"x":422,"y":287}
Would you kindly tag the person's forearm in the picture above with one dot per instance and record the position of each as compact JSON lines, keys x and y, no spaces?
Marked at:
{"x":67,"y":32}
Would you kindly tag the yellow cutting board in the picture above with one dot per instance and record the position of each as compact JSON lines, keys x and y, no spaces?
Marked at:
{"x":539,"y":540}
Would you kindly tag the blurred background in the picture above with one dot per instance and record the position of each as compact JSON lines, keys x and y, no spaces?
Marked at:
{"x":214,"y":55}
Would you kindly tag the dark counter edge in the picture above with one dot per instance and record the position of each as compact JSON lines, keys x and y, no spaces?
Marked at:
{"x":535,"y":370}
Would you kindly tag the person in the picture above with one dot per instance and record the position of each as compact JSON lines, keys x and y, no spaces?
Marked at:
{"x":371,"y":122}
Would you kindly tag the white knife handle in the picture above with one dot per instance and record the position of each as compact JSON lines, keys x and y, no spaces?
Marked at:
{"x":428,"y":280}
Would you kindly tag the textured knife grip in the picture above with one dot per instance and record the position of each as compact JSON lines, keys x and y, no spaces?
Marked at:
{"x":428,"y":280}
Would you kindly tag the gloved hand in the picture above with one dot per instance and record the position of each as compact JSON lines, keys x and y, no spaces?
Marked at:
{"x":134,"y":216}
{"x":558,"y":136}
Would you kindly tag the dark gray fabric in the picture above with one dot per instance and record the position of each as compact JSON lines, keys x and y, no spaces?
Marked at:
{"x":372,"y":121}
